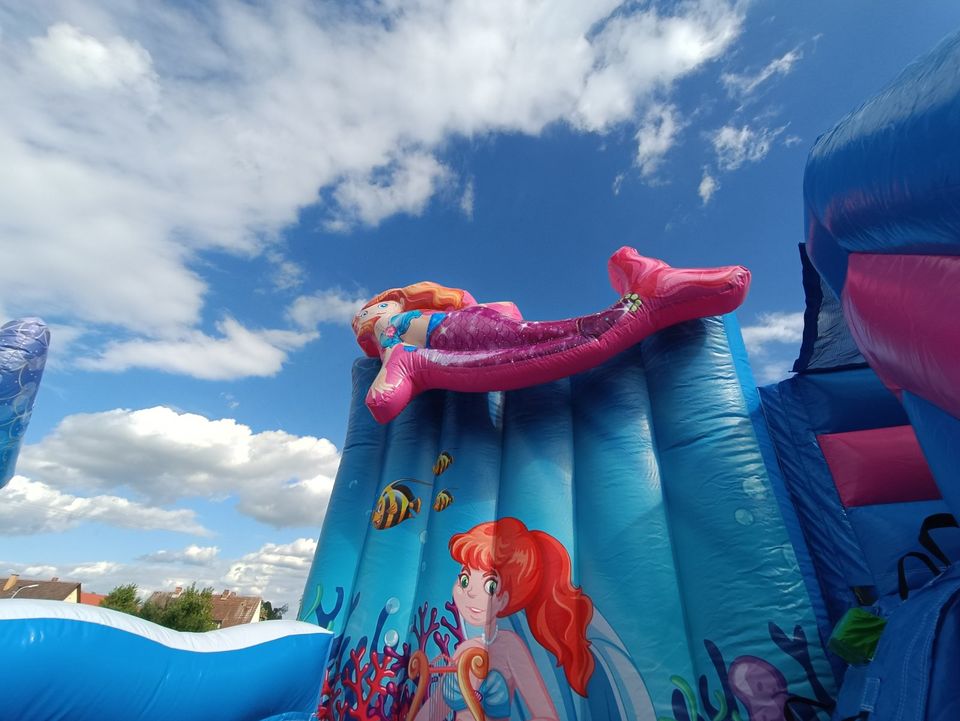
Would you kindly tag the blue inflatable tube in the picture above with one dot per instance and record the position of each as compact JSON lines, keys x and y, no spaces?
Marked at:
{"x":23,"y":353}
{"x":65,"y":661}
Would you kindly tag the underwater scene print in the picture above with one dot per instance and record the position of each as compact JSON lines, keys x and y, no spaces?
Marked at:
{"x":606,"y":547}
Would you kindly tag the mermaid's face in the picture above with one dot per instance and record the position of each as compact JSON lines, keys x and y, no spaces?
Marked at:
{"x":478,"y":595}
{"x":373,"y":313}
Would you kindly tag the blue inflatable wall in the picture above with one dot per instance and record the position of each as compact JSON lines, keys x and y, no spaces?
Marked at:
{"x":649,"y":471}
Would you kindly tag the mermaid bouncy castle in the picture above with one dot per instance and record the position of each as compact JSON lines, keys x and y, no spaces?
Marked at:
{"x":603,"y":519}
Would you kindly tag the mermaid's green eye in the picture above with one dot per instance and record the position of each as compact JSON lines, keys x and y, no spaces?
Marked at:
{"x":463,"y":580}
{"x":490,"y":586}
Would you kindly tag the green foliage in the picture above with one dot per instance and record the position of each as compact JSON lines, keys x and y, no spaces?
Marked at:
{"x":123,"y":598}
{"x":192,"y":611}
{"x":269,"y":613}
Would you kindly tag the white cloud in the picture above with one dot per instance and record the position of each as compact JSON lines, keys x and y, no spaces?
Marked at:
{"x":148,"y":133}
{"x":402,"y":187}
{"x":467,"y":199}
{"x":162,"y":455}
{"x":771,"y":371}
{"x":95,"y":569}
{"x":88,"y":63}
{"x":708,"y":186}
{"x":656,"y":136}
{"x":237,"y":353}
{"x":326,"y":306}
{"x":193,"y":554}
{"x":773,"y":328}
{"x":747,"y":83}
{"x":275,"y":570}
{"x":29,"y":507}
{"x":736,"y":146}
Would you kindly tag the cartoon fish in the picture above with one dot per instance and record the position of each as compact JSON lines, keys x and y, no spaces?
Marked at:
{"x":395,"y":505}
{"x":444,"y":460}
{"x":443,"y":500}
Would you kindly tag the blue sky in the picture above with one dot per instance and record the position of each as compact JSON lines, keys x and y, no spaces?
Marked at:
{"x":195,"y":201}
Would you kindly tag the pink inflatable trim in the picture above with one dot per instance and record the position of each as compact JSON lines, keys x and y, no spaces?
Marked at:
{"x":902,"y":311}
{"x":882,"y":465}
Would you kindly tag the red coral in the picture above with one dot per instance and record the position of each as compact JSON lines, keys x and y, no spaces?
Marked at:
{"x":367,"y":706}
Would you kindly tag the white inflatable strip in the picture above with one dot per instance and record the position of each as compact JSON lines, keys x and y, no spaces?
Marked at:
{"x":227,"y":639}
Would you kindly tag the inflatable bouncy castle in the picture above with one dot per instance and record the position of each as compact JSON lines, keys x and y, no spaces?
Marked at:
{"x":602,"y":518}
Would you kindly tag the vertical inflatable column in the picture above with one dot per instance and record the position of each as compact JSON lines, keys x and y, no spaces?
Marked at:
{"x":536,"y":487}
{"x":329,"y":587}
{"x":742,"y":590}
{"x":389,"y":563}
{"x":625,"y":559}
{"x":465,"y":494}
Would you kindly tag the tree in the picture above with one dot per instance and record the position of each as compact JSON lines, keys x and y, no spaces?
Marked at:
{"x":269,"y":613}
{"x":123,"y":598}
{"x":192,"y":610}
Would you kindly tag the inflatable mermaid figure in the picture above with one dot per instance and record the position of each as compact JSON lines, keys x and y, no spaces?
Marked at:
{"x":430,"y":336}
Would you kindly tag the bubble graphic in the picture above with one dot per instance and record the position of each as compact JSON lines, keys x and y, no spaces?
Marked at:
{"x":423,"y":536}
{"x":743,"y":516}
{"x":392,"y":605}
{"x":754,"y":488}
{"x":391,"y":638}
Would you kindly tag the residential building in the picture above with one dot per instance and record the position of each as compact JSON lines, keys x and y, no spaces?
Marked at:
{"x":53,"y":590}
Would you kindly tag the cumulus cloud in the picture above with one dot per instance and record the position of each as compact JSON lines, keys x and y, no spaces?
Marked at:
{"x":237,"y":353}
{"x":277,"y":569}
{"x":744,"y":84}
{"x":708,"y":186}
{"x":735,"y":146}
{"x":656,"y":136}
{"x":773,"y":328}
{"x":193,"y":554}
{"x":28,"y":507}
{"x":404,"y":187}
{"x":147,"y":134}
{"x":161,"y":455}
{"x":326,"y":306}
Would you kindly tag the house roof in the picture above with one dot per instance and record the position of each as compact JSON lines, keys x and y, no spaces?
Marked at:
{"x":56,"y":590}
{"x":229,"y":609}
{"x":92,"y":599}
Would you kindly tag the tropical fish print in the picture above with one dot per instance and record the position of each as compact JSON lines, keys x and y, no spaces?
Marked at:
{"x":443,"y":500}
{"x":444,"y":461}
{"x":396,"y":504}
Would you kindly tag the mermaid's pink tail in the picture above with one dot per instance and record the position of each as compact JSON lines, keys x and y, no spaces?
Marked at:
{"x":476,"y":358}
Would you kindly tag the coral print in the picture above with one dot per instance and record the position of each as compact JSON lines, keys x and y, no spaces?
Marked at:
{"x":506,"y":568}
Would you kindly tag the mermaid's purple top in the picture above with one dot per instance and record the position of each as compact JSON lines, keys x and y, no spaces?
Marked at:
{"x":478,"y":348}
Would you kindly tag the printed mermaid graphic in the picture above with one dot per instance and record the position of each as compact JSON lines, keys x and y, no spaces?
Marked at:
{"x":430,"y":336}
{"x":506,"y":568}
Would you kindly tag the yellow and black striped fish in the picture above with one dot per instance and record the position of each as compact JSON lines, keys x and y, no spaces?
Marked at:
{"x":443,"y":500}
{"x":395,"y":505}
{"x":444,"y":460}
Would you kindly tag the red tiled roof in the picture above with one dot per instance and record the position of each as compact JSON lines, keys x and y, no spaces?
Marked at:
{"x":92,"y":599}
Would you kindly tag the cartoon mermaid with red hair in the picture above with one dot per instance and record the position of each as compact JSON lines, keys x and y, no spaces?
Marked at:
{"x":430,"y":336}
{"x":506,"y":568}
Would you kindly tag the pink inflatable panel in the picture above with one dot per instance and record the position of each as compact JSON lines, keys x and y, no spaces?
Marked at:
{"x":882,"y":465}
{"x":903,"y":312}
